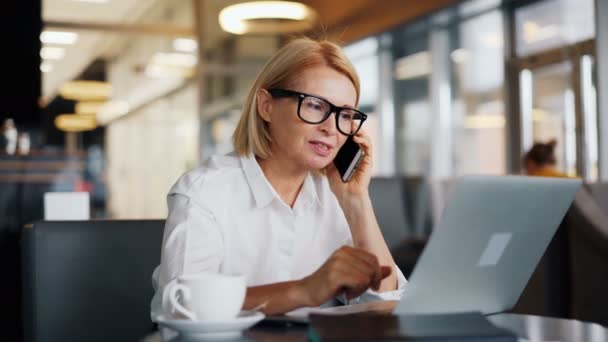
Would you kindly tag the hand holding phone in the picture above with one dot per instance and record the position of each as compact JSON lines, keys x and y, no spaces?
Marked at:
{"x":348,"y":158}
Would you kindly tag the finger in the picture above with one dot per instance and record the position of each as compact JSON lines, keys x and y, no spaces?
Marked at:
{"x":352,"y":265}
{"x":370,"y":263}
{"x":348,"y":265}
{"x":364,"y":142}
{"x":363,"y":255}
{"x":332,"y":172}
{"x":370,"y":260}
{"x":353,"y":285}
{"x":386,"y":271}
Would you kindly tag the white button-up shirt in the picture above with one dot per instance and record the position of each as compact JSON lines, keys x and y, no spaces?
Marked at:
{"x":225,"y":217}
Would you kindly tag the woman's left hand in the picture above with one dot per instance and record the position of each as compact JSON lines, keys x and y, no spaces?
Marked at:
{"x":358,"y":185}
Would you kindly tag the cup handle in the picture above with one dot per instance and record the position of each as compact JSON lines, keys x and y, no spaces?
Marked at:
{"x":185,"y":292}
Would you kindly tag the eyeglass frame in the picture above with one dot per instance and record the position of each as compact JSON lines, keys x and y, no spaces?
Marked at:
{"x":279,"y":92}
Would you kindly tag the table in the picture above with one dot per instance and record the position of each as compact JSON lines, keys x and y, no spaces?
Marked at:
{"x":527,"y":327}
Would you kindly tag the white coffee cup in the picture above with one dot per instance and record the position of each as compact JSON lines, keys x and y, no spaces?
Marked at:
{"x":206,"y":296}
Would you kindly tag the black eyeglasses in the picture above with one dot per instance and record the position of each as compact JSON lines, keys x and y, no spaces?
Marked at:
{"x":314,"y":110}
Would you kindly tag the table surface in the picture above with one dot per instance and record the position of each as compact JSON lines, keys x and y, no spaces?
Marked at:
{"x":526,"y":327}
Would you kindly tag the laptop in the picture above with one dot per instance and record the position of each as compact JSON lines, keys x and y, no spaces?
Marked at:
{"x":481,"y":254}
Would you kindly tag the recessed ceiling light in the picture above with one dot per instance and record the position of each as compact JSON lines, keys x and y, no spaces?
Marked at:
{"x":86,"y":90}
{"x":112,"y":111}
{"x":185,"y":45}
{"x":460,"y":55}
{"x":246,"y":17}
{"x":52,"y":52}
{"x":46,"y":66}
{"x":174,"y":59}
{"x":93,"y":1}
{"x":58,"y":37}
{"x":413,"y":66}
{"x":89,"y":107}
{"x":75,"y":122}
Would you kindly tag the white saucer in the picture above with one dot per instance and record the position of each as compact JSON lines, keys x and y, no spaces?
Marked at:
{"x":212,"y":330}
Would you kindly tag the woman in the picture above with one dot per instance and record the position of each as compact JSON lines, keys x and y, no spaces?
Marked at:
{"x":540,"y":160}
{"x":276,"y":210}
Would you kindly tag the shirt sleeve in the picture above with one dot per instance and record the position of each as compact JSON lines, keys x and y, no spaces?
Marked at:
{"x":372,"y":296}
{"x":192,"y":242}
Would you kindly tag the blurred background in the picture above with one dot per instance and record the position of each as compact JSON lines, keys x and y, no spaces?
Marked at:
{"x":118,"y":98}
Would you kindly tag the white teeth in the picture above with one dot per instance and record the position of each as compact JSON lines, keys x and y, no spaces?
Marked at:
{"x":323,"y":146}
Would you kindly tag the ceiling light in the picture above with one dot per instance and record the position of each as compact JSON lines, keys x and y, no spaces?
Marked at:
{"x":171,"y":65}
{"x":46,"y":66}
{"x":89,"y":107}
{"x":266,"y":17}
{"x":164,"y":71}
{"x":174,"y":59}
{"x":484,"y":121}
{"x":459,"y":55}
{"x":75,"y":122}
{"x":58,"y":37}
{"x":112,"y":111}
{"x":534,"y":33}
{"x":93,"y":1}
{"x":185,"y":45}
{"x":52,"y":53}
{"x":492,"y":40}
{"x":86,"y":90}
{"x":413,"y":66}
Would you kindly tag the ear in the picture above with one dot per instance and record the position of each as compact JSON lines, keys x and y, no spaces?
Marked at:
{"x":264,"y":104}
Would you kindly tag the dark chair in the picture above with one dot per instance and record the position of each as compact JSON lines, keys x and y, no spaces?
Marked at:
{"x":9,"y":260}
{"x":389,"y":204}
{"x":599,"y":191}
{"x":89,"y":280}
{"x":417,"y":192}
{"x":588,"y":243}
{"x":547,"y":292}
{"x":571,"y":279}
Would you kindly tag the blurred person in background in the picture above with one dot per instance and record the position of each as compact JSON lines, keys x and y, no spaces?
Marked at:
{"x":9,"y":134}
{"x":276,"y":210}
{"x":24,"y":144}
{"x":540,"y":160}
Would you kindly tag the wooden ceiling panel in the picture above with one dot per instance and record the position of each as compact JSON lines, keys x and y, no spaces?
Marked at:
{"x":349,"y":20}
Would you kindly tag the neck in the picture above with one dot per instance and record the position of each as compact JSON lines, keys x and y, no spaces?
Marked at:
{"x":285,"y":178}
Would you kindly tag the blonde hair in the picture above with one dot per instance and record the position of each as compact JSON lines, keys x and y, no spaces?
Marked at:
{"x":252,"y":134}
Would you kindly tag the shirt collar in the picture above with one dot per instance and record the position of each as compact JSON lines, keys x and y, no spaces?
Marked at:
{"x":264,"y":193}
{"x":309,"y":193}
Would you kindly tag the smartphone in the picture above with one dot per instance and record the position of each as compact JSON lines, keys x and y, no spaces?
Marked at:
{"x":348,"y":158}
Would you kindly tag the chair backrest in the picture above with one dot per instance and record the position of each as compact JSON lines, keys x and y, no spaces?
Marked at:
{"x":390,"y":207}
{"x":599,"y":191}
{"x":441,"y":192}
{"x":417,"y":191}
{"x":89,"y":280}
{"x":572,"y":278}
{"x":588,"y":232}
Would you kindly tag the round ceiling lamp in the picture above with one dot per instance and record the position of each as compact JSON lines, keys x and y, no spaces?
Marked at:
{"x":76,"y":122}
{"x":89,"y":107}
{"x":86,"y":90}
{"x":267,"y":17}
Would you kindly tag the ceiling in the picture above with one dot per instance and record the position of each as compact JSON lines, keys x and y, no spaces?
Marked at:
{"x":90,"y":44}
{"x":345,"y":20}
{"x":349,"y":20}
{"x":83,"y":11}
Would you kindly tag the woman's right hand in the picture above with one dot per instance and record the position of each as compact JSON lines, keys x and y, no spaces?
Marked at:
{"x":350,"y":271}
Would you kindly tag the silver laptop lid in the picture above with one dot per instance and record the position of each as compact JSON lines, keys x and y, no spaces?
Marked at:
{"x":491,"y":236}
